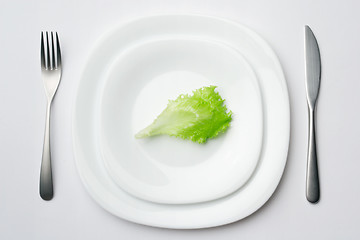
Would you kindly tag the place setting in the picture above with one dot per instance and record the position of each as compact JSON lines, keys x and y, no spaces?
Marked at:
{"x":181,"y":121}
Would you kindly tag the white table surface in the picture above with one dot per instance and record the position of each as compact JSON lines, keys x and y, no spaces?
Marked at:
{"x":72,"y":214}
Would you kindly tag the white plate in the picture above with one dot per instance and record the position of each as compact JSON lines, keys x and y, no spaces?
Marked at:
{"x":233,"y":207}
{"x":168,"y":170}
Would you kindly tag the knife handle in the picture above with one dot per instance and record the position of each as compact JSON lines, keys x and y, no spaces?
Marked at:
{"x":312,"y":175}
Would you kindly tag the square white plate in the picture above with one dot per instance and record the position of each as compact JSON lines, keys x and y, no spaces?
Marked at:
{"x":276,"y":119}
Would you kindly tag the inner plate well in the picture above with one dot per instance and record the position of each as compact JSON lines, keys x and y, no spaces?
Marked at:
{"x":165,"y":169}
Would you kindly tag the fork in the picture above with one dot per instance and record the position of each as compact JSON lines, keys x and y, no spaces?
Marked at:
{"x":51,"y":75}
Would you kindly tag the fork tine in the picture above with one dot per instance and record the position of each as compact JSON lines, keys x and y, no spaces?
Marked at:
{"x":42,"y":52}
{"x":52,"y":52}
{"x":48,"y":66}
{"x":58,"y":51}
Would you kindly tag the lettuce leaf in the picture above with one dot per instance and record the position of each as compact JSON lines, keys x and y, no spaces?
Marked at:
{"x":197,"y":117}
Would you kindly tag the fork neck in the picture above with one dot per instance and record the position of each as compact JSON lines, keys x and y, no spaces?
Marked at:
{"x":49,"y":98}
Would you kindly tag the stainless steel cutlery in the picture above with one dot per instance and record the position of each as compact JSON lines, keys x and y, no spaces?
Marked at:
{"x":312,"y":83}
{"x":51,"y":70}
{"x":50,"y":56}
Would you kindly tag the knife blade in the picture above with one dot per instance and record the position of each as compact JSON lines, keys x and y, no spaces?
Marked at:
{"x":312,"y":83}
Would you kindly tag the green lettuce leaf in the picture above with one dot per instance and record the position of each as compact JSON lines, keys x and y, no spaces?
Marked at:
{"x":197,"y":117}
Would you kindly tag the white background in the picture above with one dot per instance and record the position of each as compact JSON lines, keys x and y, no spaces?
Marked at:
{"x":72,"y":214}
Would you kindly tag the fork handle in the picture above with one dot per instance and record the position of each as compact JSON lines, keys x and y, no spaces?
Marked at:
{"x":46,"y":184}
{"x":312,"y":175}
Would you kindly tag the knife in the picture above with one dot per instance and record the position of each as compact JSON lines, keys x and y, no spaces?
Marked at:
{"x":312,"y":83}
